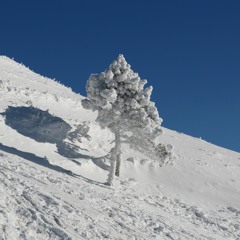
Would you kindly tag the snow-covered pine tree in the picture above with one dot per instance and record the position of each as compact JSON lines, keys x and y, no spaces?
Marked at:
{"x":125,"y":108}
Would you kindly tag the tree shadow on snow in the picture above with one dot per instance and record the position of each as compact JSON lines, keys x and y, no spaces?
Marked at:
{"x":43,"y":161}
{"x":101,"y":162}
{"x":46,"y":128}
{"x":33,"y":158}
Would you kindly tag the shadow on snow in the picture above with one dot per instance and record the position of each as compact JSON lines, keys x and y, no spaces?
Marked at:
{"x":45,"y":128}
{"x":43,"y":161}
{"x":33,"y":158}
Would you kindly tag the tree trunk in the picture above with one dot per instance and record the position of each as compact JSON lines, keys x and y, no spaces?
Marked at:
{"x":115,"y":159}
{"x":118,"y":163}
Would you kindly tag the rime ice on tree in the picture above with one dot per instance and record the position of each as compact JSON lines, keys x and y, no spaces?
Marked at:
{"x":124,"y":106}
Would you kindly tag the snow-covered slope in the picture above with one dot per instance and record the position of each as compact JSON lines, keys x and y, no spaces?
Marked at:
{"x":54,"y":161}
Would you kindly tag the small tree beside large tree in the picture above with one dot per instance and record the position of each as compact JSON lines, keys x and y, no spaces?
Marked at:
{"x":124,"y":106}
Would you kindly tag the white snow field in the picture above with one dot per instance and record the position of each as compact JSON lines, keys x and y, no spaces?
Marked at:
{"x":54,"y":162}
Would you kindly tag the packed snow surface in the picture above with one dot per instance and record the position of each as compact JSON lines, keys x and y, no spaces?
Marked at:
{"x":54,"y":160}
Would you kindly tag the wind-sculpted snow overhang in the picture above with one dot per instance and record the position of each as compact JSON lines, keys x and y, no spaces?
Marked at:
{"x":43,"y":127}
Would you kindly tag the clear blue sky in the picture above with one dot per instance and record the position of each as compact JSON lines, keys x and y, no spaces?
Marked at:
{"x":189,"y":51}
